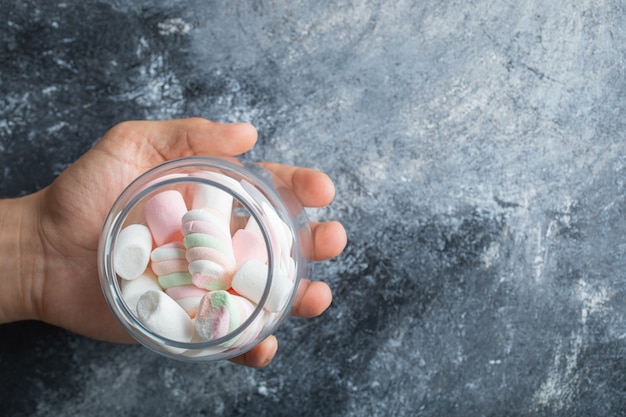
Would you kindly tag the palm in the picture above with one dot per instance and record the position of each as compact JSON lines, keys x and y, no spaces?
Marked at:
{"x":75,"y":209}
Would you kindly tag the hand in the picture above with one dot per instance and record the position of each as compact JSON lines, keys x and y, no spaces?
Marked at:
{"x":58,"y":278}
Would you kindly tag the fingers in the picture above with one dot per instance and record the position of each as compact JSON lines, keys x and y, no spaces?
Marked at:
{"x":260,"y":356}
{"x":159,"y":141}
{"x":329,"y":240}
{"x":312,"y":298}
{"x":313,"y":188}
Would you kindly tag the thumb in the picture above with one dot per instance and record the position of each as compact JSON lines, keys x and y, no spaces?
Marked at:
{"x":149,"y":143}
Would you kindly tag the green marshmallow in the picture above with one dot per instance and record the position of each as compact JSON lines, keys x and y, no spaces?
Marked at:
{"x":193,"y":240}
{"x":175,"y":279}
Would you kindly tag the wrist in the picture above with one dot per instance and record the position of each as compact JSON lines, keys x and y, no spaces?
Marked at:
{"x":21,"y":259}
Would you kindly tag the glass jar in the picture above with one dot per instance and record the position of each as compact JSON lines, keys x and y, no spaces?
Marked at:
{"x":200,"y":258}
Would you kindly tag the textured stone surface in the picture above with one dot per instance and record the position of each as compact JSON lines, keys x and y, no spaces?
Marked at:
{"x":480,"y":160}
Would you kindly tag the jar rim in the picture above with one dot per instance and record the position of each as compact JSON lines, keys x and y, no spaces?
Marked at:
{"x":189,"y":170}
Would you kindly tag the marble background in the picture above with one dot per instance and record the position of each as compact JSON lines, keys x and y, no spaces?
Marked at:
{"x":479,"y":153}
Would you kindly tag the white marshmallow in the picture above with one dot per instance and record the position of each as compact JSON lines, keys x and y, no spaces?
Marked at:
{"x":208,"y":215}
{"x":173,"y":250}
{"x":209,"y":197}
{"x":187,"y":296}
{"x":132,"y":290}
{"x":132,"y":251}
{"x":280,"y":230}
{"x":254,"y":329}
{"x":280,"y":233}
{"x":250,"y":281}
{"x":190,"y":305}
{"x":161,"y":314}
{"x":205,"y":267}
{"x":289,"y":266}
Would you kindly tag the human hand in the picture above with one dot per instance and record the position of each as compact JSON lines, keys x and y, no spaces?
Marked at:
{"x":62,"y":287}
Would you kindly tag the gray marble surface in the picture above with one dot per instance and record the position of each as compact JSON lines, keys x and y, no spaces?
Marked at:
{"x":479,"y":154}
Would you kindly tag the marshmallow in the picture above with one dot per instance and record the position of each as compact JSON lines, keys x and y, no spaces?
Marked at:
{"x":285,"y":240}
{"x":220,"y":313}
{"x":200,"y":283}
{"x":209,"y":216}
{"x":132,"y":290}
{"x":210,"y":197}
{"x":174,"y":279}
{"x":185,"y":291}
{"x":207,"y":241}
{"x":210,"y":274}
{"x":173,"y":250}
{"x":161,"y":314}
{"x":254,"y":328}
{"x":279,"y":232}
{"x":209,"y":249}
{"x":250,"y":281}
{"x":207,"y":228}
{"x":132,"y":251}
{"x":205,"y":272}
{"x":169,"y":259}
{"x":169,"y":266}
{"x":187,"y":296}
{"x":248,"y":245}
{"x":163,"y":213}
{"x":289,"y":266}
{"x":202,"y":253}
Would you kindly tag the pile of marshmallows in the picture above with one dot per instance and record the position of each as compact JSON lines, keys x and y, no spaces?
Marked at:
{"x":187,"y":279}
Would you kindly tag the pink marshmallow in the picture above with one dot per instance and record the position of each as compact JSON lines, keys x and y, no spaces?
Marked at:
{"x":214,"y":315}
{"x":163,"y":213}
{"x":249,"y":245}
{"x":220,"y":313}
{"x":185,"y":291}
{"x":169,"y":263}
{"x":200,"y":226}
{"x":208,"y":215}
{"x":209,"y":249}
{"x":199,"y":253}
{"x":210,"y":275}
{"x":188,"y":297}
{"x":169,"y":266}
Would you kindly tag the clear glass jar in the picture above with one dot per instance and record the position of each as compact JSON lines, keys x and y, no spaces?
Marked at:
{"x":198,"y":293}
